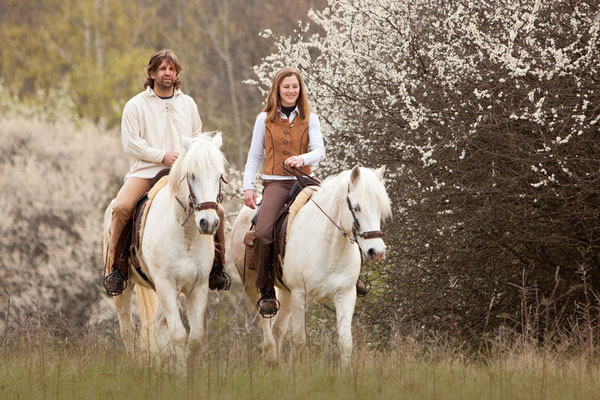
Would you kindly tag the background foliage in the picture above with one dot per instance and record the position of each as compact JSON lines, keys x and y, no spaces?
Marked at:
{"x":94,"y":52}
{"x":486,"y":114}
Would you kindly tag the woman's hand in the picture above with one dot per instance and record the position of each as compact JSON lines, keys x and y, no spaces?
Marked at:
{"x":250,"y":198}
{"x":294,"y":161}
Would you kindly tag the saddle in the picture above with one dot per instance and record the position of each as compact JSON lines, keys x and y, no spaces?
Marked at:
{"x":130,"y":241}
{"x":299,"y":195}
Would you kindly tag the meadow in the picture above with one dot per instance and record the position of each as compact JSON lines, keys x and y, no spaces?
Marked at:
{"x":94,"y":366}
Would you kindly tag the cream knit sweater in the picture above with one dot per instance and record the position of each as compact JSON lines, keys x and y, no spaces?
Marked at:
{"x":151,"y":126}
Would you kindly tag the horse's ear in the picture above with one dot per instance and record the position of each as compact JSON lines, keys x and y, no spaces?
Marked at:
{"x":218,"y":139}
{"x":187,"y":142}
{"x":379,"y":172}
{"x":355,"y":174}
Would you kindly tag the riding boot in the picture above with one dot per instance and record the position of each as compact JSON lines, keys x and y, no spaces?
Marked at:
{"x":116,"y":281}
{"x":362,"y":284}
{"x":117,"y":268}
{"x":361,"y":288}
{"x":218,"y":278}
{"x":268,"y":305}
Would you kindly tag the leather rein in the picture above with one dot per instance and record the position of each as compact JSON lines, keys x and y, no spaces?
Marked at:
{"x":193,"y":204}
{"x":355,"y":224}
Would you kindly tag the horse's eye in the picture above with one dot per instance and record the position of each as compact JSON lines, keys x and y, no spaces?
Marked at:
{"x":193,"y":176}
{"x":357,"y":208}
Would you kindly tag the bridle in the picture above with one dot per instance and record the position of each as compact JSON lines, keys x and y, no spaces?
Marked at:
{"x":355,"y":224}
{"x":193,"y":204}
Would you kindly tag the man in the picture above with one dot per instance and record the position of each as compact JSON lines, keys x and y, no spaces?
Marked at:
{"x":151,"y":129}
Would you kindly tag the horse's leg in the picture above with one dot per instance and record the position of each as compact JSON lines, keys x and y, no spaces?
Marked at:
{"x":344,"y":310}
{"x":167,"y":297}
{"x":162,"y":336}
{"x":298,"y":309}
{"x":269,"y":345}
{"x":127,"y":326}
{"x":281,"y":323}
{"x":196,"y":307}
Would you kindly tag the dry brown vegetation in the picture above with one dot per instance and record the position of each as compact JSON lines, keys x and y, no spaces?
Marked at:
{"x":56,"y":178}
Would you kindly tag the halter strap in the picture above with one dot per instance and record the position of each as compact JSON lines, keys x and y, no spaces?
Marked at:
{"x":356,"y":225}
{"x":193,"y":204}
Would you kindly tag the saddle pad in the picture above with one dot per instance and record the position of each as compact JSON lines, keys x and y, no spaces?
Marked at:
{"x":137,"y":245}
{"x":151,"y":195}
{"x":300,"y":201}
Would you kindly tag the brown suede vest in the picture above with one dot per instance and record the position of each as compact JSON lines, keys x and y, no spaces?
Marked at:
{"x":283,"y":140}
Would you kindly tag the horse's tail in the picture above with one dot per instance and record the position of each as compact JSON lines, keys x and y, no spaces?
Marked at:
{"x":148,"y":306}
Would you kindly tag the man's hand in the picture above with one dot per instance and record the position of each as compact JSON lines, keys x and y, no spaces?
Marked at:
{"x":294,"y":161}
{"x":250,"y":198}
{"x":170,"y":158}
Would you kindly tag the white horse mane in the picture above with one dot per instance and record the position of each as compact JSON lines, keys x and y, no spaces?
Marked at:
{"x":201,"y":157}
{"x":368,"y":188}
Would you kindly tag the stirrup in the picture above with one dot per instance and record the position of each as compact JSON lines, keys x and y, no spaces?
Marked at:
{"x":114,"y":283}
{"x":267,"y":314}
{"x":218,"y":279}
{"x":367,"y":284}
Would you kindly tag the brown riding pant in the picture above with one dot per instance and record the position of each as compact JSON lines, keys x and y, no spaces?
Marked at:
{"x":124,"y":204}
{"x":275,"y":195}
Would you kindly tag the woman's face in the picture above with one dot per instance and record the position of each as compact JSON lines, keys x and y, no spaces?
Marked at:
{"x":289,"y":89}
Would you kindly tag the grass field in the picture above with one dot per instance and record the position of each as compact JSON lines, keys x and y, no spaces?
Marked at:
{"x":95,"y":369}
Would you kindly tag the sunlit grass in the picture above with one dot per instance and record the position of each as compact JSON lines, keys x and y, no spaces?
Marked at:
{"x":97,"y":370}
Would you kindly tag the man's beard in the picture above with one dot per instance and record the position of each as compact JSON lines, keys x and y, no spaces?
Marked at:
{"x":163,"y":86}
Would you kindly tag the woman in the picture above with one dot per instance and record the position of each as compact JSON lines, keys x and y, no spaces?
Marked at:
{"x":286,"y":131}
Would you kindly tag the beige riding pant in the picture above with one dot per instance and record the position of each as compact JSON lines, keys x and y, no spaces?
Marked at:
{"x":124,"y":203}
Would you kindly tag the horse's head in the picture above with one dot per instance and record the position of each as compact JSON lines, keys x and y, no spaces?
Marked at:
{"x":367,"y":204}
{"x":197,"y":177}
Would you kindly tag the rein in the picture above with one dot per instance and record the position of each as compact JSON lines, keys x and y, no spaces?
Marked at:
{"x":193,"y":204}
{"x":355,"y":225}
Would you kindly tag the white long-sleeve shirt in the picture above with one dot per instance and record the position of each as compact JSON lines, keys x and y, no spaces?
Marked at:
{"x":151,"y":126}
{"x":315,"y":154}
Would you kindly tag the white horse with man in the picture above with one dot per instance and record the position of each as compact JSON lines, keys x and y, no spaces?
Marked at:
{"x":178,"y":252}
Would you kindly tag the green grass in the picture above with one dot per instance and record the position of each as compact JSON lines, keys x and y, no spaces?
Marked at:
{"x":91,"y":370}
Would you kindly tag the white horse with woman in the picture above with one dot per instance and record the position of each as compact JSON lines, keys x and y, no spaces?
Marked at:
{"x":323,"y":255}
{"x":178,"y":252}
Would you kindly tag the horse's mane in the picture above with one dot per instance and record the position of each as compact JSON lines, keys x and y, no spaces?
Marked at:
{"x":201,"y":157}
{"x":369,"y":189}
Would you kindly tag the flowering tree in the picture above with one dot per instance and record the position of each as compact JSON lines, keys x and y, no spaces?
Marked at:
{"x":486,"y":114}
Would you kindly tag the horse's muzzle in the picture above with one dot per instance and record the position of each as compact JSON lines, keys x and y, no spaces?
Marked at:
{"x":374,"y":255}
{"x":207,"y":227}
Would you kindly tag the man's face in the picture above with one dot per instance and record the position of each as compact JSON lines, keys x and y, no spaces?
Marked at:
{"x":165,"y":75}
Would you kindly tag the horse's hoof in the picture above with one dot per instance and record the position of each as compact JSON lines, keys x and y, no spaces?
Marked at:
{"x":218,"y":278}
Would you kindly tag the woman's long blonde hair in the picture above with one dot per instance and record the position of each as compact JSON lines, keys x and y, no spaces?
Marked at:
{"x":274,"y":101}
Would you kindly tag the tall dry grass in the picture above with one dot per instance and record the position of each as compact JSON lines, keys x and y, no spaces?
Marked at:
{"x":231,"y":367}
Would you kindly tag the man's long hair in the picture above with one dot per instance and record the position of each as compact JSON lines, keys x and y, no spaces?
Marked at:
{"x":157,"y":59}
{"x":274,"y":100}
